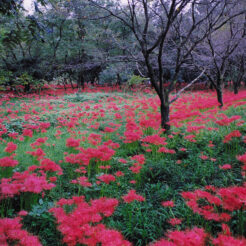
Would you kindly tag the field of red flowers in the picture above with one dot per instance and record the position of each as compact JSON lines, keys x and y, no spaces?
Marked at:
{"x":94,"y":168}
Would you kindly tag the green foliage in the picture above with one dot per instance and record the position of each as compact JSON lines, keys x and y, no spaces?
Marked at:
{"x":6,"y":77}
{"x":135,"y":80}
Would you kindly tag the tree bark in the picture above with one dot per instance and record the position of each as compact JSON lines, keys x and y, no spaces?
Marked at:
{"x":219,"y":96}
{"x":235,"y":87}
{"x":165,"y":112}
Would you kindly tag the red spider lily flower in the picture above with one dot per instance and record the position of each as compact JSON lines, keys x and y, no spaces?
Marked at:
{"x":234,"y":134}
{"x":83,"y":181}
{"x":154,"y":139}
{"x":123,"y":161}
{"x":242,"y":158}
{"x":203,"y":157}
{"x":119,"y":174}
{"x":8,"y":162}
{"x":167,"y":151}
{"x":168,"y":204}
{"x":39,"y":153}
{"x":24,"y":182}
{"x":12,"y":232}
{"x":132,"y":196}
{"x":211,"y":144}
{"x":27,"y":132}
{"x":71,"y":142}
{"x":135,"y":168}
{"x":193,"y":237}
{"x":39,"y":142}
{"x":49,"y":165}
{"x":23,"y":213}
{"x":225,"y":167}
{"x":226,"y":229}
{"x":81,"y":225}
{"x":109,"y":129}
{"x":53,"y":179}
{"x":139,"y":158}
{"x":174,"y":221}
{"x":226,"y":240}
{"x":11,"y":147}
{"x":107,"y":178}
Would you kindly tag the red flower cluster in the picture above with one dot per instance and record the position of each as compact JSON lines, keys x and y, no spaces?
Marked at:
{"x":225,"y":121}
{"x":132,"y":196}
{"x":49,"y":165}
{"x":234,"y":134}
{"x":137,"y":166}
{"x":229,"y":199}
{"x":38,"y":142}
{"x":8,"y":162}
{"x":102,"y":153}
{"x":107,"y":178}
{"x":24,"y":182}
{"x":27,"y":132}
{"x":11,"y":147}
{"x":39,"y":153}
{"x":195,"y":237}
{"x":167,"y":151}
{"x":71,"y":142}
{"x":11,"y":233}
{"x":133,"y":132}
{"x":82,"y":224}
{"x":242,"y":158}
{"x":168,"y":204}
{"x":154,"y":139}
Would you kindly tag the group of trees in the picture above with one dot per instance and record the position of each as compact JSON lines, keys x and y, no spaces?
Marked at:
{"x":167,"y":41}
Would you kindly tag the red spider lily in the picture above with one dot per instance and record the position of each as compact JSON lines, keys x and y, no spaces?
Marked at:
{"x":230,"y":199}
{"x":139,"y":158}
{"x":175,"y":221}
{"x":24,"y":182}
{"x":194,"y":237}
{"x":168,"y":204}
{"x":227,"y":240}
{"x":154,"y":139}
{"x":11,"y":232}
{"x":107,"y":178}
{"x":71,"y":142}
{"x":27,"y":132}
{"x":82,"y":224}
{"x":234,"y":134}
{"x":49,"y":165}
{"x":119,"y":174}
{"x":132,"y":196}
{"x":242,"y":158}
{"x":167,"y":151}
{"x":83,"y":181}
{"x":135,"y":168}
{"x":39,"y":153}
{"x":8,"y":162}
{"x":225,"y":121}
{"x":39,"y":142}
{"x":11,"y":147}
{"x":133,"y":132}
{"x":225,"y":167}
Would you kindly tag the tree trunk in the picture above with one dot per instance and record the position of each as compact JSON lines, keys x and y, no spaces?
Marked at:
{"x":165,"y":113}
{"x":235,"y":87}
{"x":219,"y":96}
{"x":27,"y":87}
